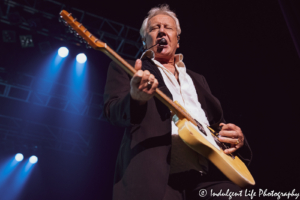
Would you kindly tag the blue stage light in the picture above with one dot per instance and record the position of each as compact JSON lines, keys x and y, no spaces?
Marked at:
{"x":19,"y":157}
{"x":33,"y":159}
{"x":81,"y":58}
{"x":63,"y":52}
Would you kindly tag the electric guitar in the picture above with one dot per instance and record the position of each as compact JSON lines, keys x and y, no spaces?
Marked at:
{"x":196,"y":135}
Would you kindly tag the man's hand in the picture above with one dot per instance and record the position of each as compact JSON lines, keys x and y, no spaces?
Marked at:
{"x":143,"y":84}
{"x":233,"y":135}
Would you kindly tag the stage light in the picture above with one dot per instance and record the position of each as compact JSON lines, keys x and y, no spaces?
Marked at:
{"x":63,"y":52}
{"x":33,"y":159}
{"x":26,"y":41}
{"x":19,"y":157}
{"x":81,"y":58}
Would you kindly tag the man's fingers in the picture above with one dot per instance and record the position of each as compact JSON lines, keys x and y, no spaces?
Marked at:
{"x":230,"y":134}
{"x":233,"y":135}
{"x":154,"y":86}
{"x":149,"y":89}
{"x":145,"y":80}
{"x":228,"y":140}
{"x":229,"y":127}
{"x":138,"y":64}
{"x":151,"y":78}
{"x":230,"y":150}
{"x":137,"y":77}
{"x":222,"y":124}
{"x":143,"y":84}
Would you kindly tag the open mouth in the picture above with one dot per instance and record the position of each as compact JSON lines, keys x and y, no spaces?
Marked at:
{"x":162,"y":42}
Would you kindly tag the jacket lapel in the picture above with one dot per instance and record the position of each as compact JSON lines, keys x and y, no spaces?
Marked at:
{"x":209,"y":103}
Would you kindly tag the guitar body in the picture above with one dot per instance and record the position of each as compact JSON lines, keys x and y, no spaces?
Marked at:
{"x":231,"y":166}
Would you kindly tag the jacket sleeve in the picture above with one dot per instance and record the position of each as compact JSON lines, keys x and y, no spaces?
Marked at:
{"x":245,"y":152}
{"x":119,"y":108}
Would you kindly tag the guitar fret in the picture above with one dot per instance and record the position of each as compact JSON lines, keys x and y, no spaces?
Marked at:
{"x":74,"y":20}
{"x":80,"y":25}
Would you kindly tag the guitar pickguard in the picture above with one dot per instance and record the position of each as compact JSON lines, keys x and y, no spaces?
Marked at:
{"x":215,"y":136}
{"x":206,"y":133}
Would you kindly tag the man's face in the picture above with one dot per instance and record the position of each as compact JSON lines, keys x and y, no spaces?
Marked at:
{"x":162,"y":26}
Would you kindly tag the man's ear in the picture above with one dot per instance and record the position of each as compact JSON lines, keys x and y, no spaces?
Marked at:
{"x":178,"y":38}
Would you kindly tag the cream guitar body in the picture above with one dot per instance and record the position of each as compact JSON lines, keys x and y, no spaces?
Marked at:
{"x":230,"y":165}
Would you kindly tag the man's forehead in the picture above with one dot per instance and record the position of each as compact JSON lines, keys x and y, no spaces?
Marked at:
{"x":161,"y":18}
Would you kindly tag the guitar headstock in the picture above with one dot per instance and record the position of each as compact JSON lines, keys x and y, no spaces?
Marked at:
{"x":82,"y":31}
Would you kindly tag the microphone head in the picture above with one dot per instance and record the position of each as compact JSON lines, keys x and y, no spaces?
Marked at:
{"x":162,"y":41}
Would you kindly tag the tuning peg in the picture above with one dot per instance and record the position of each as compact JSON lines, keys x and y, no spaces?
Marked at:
{"x":65,"y":23}
{"x":76,"y":34}
{"x":88,"y":46}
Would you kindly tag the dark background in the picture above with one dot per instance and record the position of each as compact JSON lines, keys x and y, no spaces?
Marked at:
{"x":245,"y":51}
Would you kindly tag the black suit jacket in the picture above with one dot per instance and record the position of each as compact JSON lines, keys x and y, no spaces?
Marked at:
{"x":143,"y":162}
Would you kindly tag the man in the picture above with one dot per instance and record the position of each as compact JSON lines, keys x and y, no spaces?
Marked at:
{"x":153,"y":162}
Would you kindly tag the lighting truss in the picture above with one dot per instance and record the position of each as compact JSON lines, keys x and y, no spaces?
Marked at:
{"x":19,"y":134}
{"x":42,"y":17}
{"x":27,"y":88}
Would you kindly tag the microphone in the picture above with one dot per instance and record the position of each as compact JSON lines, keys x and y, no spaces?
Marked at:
{"x":162,"y":41}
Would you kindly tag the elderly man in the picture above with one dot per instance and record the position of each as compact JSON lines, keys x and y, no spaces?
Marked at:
{"x":153,"y":162}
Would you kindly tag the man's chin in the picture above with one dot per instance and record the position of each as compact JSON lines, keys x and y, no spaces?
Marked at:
{"x":163,"y":56}
{"x":162,"y":51}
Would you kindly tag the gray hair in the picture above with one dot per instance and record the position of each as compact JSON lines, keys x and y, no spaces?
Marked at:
{"x":163,"y":9}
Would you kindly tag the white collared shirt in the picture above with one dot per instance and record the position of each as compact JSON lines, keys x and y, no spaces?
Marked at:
{"x":185,"y":92}
{"x":182,"y":157}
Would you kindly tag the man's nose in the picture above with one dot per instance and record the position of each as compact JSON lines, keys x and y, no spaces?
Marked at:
{"x":161,"y":29}
{"x":161,"y":32}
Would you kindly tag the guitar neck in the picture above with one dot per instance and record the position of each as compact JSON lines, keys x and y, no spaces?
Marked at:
{"x":176,"y":109}
{"x":99,"y":45}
